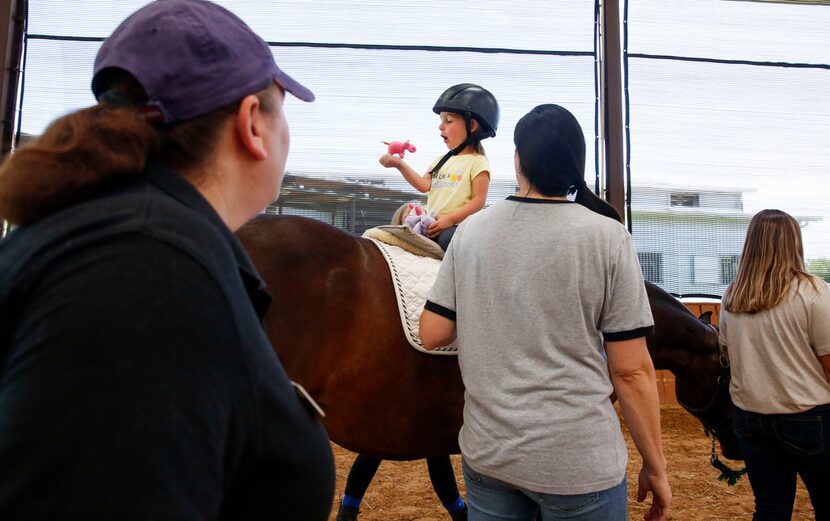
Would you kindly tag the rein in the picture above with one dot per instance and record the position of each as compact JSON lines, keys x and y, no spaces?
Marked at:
{"x":731,"y":476}
{"x":723,"y":360}
{"x":727,"y":474}
{"x":715,"y":396}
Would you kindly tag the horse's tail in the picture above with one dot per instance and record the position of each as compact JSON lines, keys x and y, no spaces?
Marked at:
{"x":587,"y":198}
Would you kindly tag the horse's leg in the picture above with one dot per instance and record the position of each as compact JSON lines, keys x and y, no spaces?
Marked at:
{"x":360,"y":476}
{"x":443,"y":481}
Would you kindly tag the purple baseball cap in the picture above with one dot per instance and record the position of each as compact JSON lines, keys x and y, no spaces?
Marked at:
{"x":191,"y":57}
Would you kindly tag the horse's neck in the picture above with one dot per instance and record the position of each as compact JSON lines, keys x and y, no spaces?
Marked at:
{"x":680,"y":340}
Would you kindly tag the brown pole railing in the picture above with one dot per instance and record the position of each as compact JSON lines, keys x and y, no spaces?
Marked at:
{"x":13,"y":15}
{"x":13,"y":18}
{"x":612,"y":105}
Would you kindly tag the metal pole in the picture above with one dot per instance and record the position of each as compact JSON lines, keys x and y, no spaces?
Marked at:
{"x":612,"y":105}
{"x":13,"y":15}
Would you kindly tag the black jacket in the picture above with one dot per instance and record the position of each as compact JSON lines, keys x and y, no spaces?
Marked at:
{"x":136,"y":381}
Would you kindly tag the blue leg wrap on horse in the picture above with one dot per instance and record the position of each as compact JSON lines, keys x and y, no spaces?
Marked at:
{"x":349,"y":501}
{"x":455,"y":506}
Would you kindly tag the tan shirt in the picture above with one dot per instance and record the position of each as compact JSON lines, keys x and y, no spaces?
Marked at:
{"x":452,"y":186}
{"x":774,"y":353}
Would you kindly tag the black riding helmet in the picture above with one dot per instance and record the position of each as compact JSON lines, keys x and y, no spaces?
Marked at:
{"x":471,"y":101}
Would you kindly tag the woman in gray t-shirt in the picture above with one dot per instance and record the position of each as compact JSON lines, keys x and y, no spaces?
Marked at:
{"x":548,"y":302}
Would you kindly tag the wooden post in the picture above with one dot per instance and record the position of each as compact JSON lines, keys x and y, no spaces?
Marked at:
{"x":612,"y":105}
{"x":13,"y":15}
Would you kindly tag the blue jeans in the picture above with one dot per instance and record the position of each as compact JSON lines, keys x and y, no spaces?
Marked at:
{"x":444,"y":238}
{"x":777,"y":447}
{"x":490,"y":499}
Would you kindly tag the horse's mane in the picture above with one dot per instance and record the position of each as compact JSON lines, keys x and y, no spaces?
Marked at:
{"x":659,"y":296}
{"x":677,"y":327}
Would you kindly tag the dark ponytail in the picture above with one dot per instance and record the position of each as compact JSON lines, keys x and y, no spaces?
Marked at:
{"x":551,"y":150}
{"x":587,"y":198}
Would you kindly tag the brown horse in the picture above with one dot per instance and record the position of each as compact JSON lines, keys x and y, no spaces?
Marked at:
{"x":335,"y":326}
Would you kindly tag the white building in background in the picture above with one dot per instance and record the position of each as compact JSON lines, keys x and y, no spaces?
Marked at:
{"x":689,"y":240}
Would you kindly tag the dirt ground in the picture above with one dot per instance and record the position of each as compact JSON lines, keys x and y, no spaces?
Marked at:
{"x":401,"y":491}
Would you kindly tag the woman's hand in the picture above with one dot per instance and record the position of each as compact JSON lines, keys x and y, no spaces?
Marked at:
{"x":390,"y":161}
{"x":441,"y":224}
{"x":658,"y":484}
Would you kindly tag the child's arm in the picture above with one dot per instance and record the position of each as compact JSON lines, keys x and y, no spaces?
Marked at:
{"x":419,"y":182}
{"x":481,"y":184}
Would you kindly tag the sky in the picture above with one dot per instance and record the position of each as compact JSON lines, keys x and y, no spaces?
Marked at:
{"x":764,"y":130}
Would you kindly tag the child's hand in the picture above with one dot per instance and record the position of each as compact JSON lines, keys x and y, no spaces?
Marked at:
{"x":390,"y":161}
{"x":441,"y":224}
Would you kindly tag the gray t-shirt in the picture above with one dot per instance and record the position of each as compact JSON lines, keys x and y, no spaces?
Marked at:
{"x":534,"y":286}
{"x":773,"y":354}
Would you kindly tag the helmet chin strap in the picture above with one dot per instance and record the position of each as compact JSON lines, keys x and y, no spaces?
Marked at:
{"x":459,"y":148}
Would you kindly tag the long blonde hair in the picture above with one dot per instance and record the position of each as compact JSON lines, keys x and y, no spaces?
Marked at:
{"x":772,"y":260}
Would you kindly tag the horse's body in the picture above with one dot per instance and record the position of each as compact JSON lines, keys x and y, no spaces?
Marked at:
{"x":335,"y":325}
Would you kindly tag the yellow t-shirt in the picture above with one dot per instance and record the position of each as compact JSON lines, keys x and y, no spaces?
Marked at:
{"x":452,"y":186}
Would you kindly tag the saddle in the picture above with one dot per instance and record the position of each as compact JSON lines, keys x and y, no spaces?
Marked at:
{"x":413,"y":261}
{"x":402,"y":237}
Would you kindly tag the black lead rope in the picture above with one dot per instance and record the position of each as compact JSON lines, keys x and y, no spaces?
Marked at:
{"x":727,"y":474}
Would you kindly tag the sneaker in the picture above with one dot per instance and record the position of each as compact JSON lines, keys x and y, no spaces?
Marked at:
{"x":459,"y":515}
{"x":350,"y":513}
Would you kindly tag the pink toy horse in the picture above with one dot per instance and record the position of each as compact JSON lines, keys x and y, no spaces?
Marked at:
{"x":396,"y":147}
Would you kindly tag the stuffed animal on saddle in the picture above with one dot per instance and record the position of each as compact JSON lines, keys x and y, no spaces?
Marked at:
{"x":419,"y":219}
{"x":396,"y":147}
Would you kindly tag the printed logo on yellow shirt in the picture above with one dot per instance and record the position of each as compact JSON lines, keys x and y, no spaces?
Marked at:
{"x":448,"y":179}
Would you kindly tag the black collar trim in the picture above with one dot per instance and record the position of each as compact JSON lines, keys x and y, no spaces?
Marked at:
{"x":533,"y":200}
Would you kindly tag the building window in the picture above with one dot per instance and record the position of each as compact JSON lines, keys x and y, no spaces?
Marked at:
{"x":652,"y":265}
{"x":704,"y":269}
{"x":728,"y":268}
{"x":690,"y":199}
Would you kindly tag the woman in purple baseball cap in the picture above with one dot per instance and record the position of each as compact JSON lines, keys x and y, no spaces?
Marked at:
{"x":136,"y":381}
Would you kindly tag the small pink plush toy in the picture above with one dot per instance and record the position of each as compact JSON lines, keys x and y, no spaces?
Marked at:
{"x":396,"y":147}
{"x":419,"y":219}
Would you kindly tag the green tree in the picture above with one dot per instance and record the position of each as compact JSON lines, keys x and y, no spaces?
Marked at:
{"x":820,"y":267}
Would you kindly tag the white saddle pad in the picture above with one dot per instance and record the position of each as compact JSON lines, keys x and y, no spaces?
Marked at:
{"x":412,"y":278}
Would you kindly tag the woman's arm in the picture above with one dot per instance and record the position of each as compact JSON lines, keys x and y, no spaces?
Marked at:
{"x":481,"y":184}
{"x":420,"y":182}
{"x":825,"y":364}
{"x":632,"y":374}
{"x":436,"y":330}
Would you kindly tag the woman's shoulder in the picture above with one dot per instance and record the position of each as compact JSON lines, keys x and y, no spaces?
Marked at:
{"x":813,"y":289}
{"x":132,"y":213}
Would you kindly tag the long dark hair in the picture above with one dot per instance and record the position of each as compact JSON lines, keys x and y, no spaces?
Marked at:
{"x":551,"y":149}
{"x":104,"y":144}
